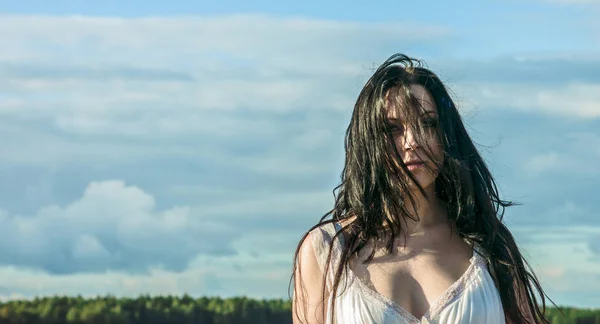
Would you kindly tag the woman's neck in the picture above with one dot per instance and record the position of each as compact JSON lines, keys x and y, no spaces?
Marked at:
{"x":429,"y":213}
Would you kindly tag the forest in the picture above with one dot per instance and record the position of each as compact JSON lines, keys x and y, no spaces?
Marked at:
{"x":186,"y":310}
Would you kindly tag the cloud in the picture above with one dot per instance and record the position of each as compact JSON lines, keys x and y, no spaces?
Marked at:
{"x":243,"y":36}
{"x":25,"y":143}
{"x":111,"y":227}
{"x":114,"y":240}
{"x":576,"y":101}
{"x":226,"y":81}
{"x":541,"y":69}
{"x":146,"y":77}
{"x":552,"y":162}
{"x":554,"y":84}
{"x":33,"y":71}
{"x":117,"y":227}
{"x":273,"y":211}
{"x":579,"y":155}
{"x":563,"y":262}
{"x":223,"y":279}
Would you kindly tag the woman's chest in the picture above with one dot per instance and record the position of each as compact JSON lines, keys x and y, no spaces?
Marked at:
{"x":413,"y":282}
{"x":472,"y":299}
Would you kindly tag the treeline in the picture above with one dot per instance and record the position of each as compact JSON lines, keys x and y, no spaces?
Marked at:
{"x":185,"y":310}
{"x":146,"y":310}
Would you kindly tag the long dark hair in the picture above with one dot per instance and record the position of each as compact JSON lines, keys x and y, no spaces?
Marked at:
{"x":374,"y":177}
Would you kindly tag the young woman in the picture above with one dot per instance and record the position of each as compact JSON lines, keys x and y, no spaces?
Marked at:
{"x":416,"y":234}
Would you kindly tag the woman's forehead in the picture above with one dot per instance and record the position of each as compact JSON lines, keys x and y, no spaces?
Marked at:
{"x":423,"y":97}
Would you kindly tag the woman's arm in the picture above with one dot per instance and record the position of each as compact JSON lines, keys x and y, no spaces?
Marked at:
{"x":307,"y":301}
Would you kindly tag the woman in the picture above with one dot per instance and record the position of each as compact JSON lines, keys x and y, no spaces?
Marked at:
{"x":416,"y":234}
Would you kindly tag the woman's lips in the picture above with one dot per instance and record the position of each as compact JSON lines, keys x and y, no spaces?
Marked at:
{"x":414,"y":165}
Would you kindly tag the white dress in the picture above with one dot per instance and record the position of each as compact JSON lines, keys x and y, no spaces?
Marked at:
{"x":472,"y":299}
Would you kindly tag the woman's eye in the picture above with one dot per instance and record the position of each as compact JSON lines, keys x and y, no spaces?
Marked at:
{"x":395,"y":129}
{"x":432,"y":123}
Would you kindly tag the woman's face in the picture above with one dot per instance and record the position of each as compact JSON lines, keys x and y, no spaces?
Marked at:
{"x":410,"y":151}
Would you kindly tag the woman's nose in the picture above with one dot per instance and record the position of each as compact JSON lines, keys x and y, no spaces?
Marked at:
{"x":409,"y":139}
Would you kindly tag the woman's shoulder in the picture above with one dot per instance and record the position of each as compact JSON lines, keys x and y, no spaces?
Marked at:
{"x":325,"y":232}
{"x":323,"y":240}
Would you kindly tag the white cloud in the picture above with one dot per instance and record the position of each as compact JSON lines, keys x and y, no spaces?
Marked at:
{"x":118,"y":91}
{"x":147,"y":75}
{"x":242,"y":36}
{"x":577,"y":154}
{"x":31,"y":145}
{"x":114,"y":241}
{"x":224,"y":277}
{"x":573,"y":100}
{"x":580,"y":100}
{"x":282,"y":204}
{"x":112,"y":227}
{"x":563,"y":262}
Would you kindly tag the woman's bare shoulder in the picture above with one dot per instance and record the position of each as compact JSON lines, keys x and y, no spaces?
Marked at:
{"x":320,"y":237}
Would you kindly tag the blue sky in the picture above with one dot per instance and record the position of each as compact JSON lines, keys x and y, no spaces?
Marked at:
{"x":166,"y":147}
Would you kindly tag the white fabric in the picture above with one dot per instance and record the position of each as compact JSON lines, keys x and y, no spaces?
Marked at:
{"x":472,"y":299}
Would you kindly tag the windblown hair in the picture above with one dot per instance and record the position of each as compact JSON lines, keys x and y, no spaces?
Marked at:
{"x":374,"y":186}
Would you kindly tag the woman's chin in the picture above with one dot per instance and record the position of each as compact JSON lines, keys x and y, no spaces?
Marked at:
{"x":424,"y":183}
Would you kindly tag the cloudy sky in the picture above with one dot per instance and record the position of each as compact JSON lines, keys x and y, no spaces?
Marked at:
{"x":184,"y":147}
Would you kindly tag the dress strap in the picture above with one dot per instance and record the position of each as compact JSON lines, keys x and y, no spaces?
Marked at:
{"x":480,"y":255}
{"x":338,"y":228}
{"x":322,"y":241}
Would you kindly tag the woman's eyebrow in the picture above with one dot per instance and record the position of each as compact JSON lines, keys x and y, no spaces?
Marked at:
{"x":430,"y":112}
{"x":396,"y":120}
